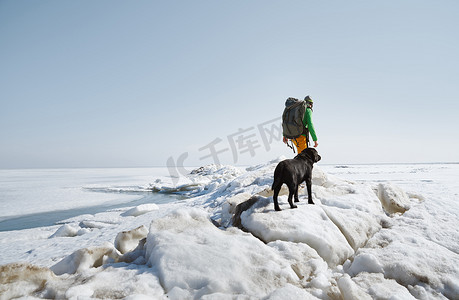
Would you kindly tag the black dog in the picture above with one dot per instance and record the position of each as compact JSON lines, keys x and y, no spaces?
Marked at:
{"x":293,"y":172}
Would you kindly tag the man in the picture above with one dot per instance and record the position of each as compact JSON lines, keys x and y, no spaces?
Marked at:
{"x":301,"y":142}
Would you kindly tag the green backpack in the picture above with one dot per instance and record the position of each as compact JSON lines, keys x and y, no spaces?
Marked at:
{"x":292,"y":118}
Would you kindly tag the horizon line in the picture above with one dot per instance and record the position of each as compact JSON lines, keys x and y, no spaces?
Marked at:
{"x":245,"y":165}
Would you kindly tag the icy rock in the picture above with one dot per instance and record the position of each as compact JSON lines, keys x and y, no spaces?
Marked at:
{"x":21,"y":279}
{"x":140,"y":210}
{"x":194,"y":257}
{"x":307,"y":224}
{"x":393,"y":198}
{"x":128,"y":240}
{"x":229,"y":207}
{"x":86,"y":258}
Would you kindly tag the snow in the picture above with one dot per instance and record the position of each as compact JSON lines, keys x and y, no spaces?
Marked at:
{"x":127,"y":241}
{"x":379,"y":287}
{"x":84,"y":259}
{"x":140,"y":210}
{"x":393,"y":198}
{"x":69,"y":230}
{"x":233,"y":263}
{"x":35,"y":191}
{"x":375,"y":232}
{"x":320,"y":233}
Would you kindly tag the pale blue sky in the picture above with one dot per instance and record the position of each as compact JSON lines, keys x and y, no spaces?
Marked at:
{"x":134,"y":83}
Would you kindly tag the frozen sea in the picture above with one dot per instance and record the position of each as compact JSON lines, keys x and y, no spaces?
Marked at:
{"x":387,"y":231}
{"x":41,"y":197}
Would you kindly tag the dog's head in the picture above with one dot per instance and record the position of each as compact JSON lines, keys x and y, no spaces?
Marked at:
{"x":310,"y":154}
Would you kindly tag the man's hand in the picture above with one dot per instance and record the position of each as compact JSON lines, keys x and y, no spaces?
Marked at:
{"x":284,"y":140}
{"x":316,"y":144}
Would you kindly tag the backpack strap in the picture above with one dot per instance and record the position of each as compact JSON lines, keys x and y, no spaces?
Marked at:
{"x":291,"y":146}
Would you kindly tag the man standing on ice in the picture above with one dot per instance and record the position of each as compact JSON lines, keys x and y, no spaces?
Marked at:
{"x":302,"y":141}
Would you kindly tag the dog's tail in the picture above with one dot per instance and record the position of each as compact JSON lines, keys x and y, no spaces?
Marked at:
{"x":277,"y":178}
{"x":274,"y":184}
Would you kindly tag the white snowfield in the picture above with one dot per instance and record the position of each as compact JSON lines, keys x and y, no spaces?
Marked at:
{"x":359,"y":241}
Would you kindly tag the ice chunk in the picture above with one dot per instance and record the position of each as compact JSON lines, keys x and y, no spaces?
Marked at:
{"x":128,"y":240}
{"x":290,"y":292}
{"x":312,"y":270}
{"x":393,"y":198}
{"x":21,"y":279}
{"x":348,"y":195}
{"x":193,"y":256}
{"x":411,"y":259}
{"x":307,"y":224}
{"x":84,"y":259}
{"x":229,"y":206}
{"x":117,"y":282}
{"x":357,"y":226}
{"x":140,"y":210}
{"x":379,"y":287}
{"x":139,"y":297}
{"x":319,"y":177}
{"x":66,"y":230}
{"x":136,"y":256}
{"x":94,"y":224}
{"x":365,"y":262}
{"x":350,"y":290}
{"x":304,"y":260}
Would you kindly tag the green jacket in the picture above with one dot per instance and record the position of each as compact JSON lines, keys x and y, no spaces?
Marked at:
{"x":307,"y":122}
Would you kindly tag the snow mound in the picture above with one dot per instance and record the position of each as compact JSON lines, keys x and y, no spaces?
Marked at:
{"x":307,"y":224}
{"x":290,"y":292}
{"x":229,"y":207}
{"x":200,"y":181}
{"x":84,"y":259}
{"x":68,"y":230}
{"x":311,"y":269}
{"x":378,"y":287}
{"x":350,"y":290}
{"x":93,"y":224}
{"x":393,"y":198}
{"x":18,"y":279}
{"x":112,"y":282}
{"x":140,"y":210}
{"x":350,"y":196}
{"x":226,"y":262}
{"x":127,"y":241}
{"x":356,"y":226}
{"x":359,"y":241}
{"x":411,"y":260}
{"x":365,"y":262}
{"x":319,"y":177}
